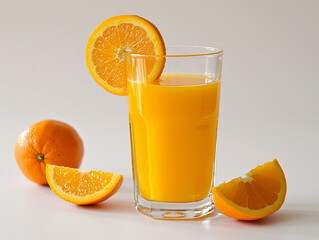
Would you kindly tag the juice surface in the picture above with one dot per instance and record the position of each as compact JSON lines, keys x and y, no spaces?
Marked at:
{"x":173,"y":123}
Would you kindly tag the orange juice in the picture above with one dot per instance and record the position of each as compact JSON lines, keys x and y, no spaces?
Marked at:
{"x":173,"y":123}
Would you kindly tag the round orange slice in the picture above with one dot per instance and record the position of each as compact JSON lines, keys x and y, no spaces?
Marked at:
{"x":261,"y":193}
{"x":105,"y":50}
{"x":82,"y":187}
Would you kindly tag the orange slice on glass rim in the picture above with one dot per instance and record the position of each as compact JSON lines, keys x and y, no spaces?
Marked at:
{"x":261,"y":193}
{"x":82,"y":187}
{"x":115,"y":36}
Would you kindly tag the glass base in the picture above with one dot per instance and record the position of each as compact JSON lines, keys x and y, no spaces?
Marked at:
{"x":175,"y":211}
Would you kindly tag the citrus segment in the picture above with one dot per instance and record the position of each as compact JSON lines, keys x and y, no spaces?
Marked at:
{"x":105,"y":51}
{"x":82,"y":187}
{"x":259,"y":194}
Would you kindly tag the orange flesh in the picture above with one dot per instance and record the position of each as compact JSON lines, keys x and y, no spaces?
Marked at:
{"x":82,"y":187}
{"x":109,"y":49}
{"x":81,"y":183}
{"x":259,"y":190}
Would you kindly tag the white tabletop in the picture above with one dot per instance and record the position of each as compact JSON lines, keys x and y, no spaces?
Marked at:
{"x":30,"y":211}
{"x":269,"y":109}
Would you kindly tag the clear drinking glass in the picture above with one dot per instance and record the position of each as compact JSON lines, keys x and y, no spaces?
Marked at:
{"x":173,"y":127}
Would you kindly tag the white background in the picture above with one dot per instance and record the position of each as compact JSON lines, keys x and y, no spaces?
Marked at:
{"x":269,"y":108}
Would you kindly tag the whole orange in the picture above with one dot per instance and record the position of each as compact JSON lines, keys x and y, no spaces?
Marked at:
{"x":48,"y":141}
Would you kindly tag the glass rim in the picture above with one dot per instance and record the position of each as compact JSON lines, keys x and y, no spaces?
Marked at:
{"x":210,"y":51}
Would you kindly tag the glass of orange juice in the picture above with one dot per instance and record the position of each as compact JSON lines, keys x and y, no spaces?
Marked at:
{"x":173,"y":127}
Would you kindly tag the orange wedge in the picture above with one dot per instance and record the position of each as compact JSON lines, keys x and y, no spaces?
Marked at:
{"x":259,"y":194}
{"x":115,"y":36}
{"x":82,"y":187}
